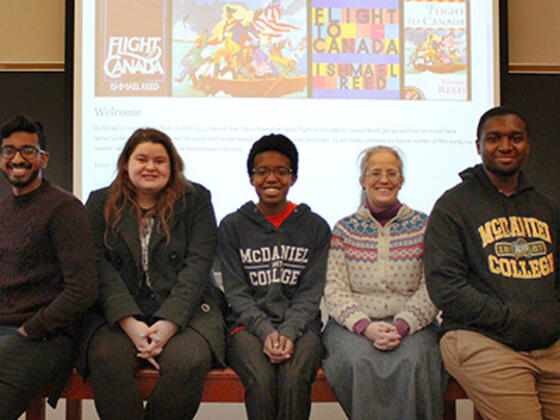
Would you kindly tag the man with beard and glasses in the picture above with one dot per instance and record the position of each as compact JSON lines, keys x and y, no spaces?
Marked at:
{"x":47,"y":271}
{"x":490,"y":258}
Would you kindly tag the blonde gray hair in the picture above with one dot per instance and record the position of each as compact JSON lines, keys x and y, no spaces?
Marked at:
{"x":370,"y":151}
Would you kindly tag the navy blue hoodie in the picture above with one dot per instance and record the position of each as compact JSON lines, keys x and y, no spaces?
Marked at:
{"x":274,"y":277}
{"x":490,"y":262}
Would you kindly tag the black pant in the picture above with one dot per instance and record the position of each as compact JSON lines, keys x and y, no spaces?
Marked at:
{"x":26,"y":367}
{"x":184,"y":363}
{"x":276,"y":391}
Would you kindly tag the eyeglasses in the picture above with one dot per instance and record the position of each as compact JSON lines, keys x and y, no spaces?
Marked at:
{"x":376,"y":175}
{"x":26,"y":152}
{"x":281,"y":171}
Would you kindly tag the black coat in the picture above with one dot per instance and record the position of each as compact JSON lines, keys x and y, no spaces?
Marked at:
{"x":179,"y":270}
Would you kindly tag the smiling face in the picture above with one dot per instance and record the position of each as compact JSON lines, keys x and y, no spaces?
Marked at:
{"x":272,"y":188}
{"x":503,"y":145}
{"x":24,"y":174}
{"x":149,"y":170}
{"x":382,"y":180}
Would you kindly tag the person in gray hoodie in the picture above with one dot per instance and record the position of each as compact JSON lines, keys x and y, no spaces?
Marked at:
{"x":491,"y":250}
{"x":273,"y":261}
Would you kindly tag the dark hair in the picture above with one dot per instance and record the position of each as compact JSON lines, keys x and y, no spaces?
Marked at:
{"x":497,"y":111}
{"x":274,"y":143}
{"x":27,"y":124}
{"x":123,"y":192}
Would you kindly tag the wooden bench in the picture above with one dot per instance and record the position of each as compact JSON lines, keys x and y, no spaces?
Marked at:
{"x":221,"y":386}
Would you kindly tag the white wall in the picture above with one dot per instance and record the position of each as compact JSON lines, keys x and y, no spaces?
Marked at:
{"x":32,"y":31}
{"x":534,"y":32}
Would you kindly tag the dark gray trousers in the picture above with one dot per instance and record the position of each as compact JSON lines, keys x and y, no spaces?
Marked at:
{"x":26,"y":367}
{"x":112,"y":361}
{"x":276,"y":391}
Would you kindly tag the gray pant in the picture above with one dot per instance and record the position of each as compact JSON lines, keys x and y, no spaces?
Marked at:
{"x":26,"y":367}
{"x":276,"y":391}
{"x":184,"y":363}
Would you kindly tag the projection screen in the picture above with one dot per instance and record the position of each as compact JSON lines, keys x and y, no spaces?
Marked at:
{"x":336,"y":76}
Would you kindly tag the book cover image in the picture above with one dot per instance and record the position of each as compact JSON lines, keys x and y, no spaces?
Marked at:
{"x":436,"y":53}
{"x":355,"y":47}
{"x":132,"y":58}
{"x":340,"y":49}
{"x":247,"y":48}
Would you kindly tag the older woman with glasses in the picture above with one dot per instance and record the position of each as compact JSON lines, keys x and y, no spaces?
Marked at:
{"x":382,"y":355}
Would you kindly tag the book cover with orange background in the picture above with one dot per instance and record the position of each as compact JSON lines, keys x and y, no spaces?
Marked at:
{"x":133,"y":57}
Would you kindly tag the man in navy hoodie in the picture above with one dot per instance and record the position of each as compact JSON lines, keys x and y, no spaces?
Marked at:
{"x":491,"y":250}
{"x":273,"y":256}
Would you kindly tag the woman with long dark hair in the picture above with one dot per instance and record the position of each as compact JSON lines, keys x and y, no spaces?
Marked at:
{"x":156,"y":235}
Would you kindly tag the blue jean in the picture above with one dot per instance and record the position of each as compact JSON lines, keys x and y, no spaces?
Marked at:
{"x":26,"y":367}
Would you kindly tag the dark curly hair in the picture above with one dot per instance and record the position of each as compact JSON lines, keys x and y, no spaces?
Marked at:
{"x":498,"y":111}
{"x":27,"y":124}
{"x":274,"y":143}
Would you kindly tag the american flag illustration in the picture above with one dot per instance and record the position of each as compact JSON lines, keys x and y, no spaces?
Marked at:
{"x":268,"y":23}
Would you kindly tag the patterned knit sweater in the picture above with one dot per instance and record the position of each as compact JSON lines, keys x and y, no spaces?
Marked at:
{"x":376,"y":271}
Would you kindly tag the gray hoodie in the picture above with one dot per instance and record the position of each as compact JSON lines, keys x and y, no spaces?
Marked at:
{"x":274,"y":277}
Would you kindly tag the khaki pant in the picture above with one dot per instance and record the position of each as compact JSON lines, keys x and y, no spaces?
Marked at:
{"x":501,"y":382}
